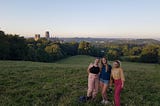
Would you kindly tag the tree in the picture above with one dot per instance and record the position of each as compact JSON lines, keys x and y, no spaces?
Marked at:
{"x":125,"y":50}
{"x":158,"y":50}
{"x":135,"y":51}
{"x":4,"y":46}
{"x":18,"y":47}
{"x":84,"y":48}
{"x":97,"y":51}
{"x":113,"y":54}
{"x":69,"y":49}
{"x":149,"y":54}
{"x":12,"y":47}
{"x":55,"y":51}
{"x":31,"y":53}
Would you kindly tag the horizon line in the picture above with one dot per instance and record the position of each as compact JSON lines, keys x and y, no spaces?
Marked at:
{"x":97,"y":37}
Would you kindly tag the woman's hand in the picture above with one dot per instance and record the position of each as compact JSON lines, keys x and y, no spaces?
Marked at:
{"x":122,"y":84}
{"x":110,"y":84}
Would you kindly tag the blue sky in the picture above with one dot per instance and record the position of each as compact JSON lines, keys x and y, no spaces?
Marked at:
{"x":82,"y":18}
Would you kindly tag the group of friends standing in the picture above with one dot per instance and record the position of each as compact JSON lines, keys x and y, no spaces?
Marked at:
{"x":102,"y":75}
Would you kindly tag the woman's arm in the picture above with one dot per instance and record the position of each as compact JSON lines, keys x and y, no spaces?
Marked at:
{"x":88,"y":70}
{"x":122,"y":83}
{"x":111,"y":80}
{"x":122,"y":77}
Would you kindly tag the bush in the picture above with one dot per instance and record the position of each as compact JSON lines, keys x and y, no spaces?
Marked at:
{"x":149,"y":54}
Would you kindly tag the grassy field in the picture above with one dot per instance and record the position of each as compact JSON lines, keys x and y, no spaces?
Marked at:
{"x":24,"y":83}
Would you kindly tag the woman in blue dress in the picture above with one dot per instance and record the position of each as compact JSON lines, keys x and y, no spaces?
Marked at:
{"x":104,"y":79}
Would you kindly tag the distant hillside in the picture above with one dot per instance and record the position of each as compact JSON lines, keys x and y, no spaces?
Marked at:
{"x":158,"y":39}
{"x":113,"y":40}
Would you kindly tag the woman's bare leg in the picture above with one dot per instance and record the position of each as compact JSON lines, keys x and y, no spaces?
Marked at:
{"x":104,"y":92}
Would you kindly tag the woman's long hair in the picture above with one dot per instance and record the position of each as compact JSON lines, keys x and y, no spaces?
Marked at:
{"x":106,"y":64}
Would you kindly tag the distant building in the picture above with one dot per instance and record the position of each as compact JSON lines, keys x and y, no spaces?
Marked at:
{"x":47,"y":35}
{"x":37,"y":37}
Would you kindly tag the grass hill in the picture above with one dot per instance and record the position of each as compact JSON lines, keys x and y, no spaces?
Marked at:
{"x":61,"y":83}
{"x":77,"y":60}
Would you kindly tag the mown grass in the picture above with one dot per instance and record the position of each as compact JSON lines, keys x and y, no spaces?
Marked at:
{"x":61,"y":83}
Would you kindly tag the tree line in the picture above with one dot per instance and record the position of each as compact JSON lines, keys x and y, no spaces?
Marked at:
{"x":14,"y":47}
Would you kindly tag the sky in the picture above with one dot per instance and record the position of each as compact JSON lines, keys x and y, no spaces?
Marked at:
{"x":81,"y":18}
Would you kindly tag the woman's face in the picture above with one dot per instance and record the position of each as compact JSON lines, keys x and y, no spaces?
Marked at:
{"x":104,"y":61}
{"x":96,"y":61}
{"x":115,"y":65}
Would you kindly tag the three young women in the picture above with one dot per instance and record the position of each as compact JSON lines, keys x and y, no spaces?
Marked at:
{"x":104,"y":75}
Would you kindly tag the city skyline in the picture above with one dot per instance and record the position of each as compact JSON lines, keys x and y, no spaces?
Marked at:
{"x":82,"y":18}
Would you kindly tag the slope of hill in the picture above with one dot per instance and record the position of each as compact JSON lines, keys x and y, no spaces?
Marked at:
{"x":61,"y":83}
{"x":77,"y":60}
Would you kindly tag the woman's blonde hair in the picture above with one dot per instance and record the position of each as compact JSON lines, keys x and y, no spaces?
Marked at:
{"x":106,"y":64}
{"x":118,"y":62}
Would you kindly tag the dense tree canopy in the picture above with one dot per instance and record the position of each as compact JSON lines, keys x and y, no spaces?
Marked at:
{"x":14,"y":47}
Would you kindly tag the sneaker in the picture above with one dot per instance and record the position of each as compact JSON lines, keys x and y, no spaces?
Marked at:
{"x":106,"y":102}
{"x":103,"y":101}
